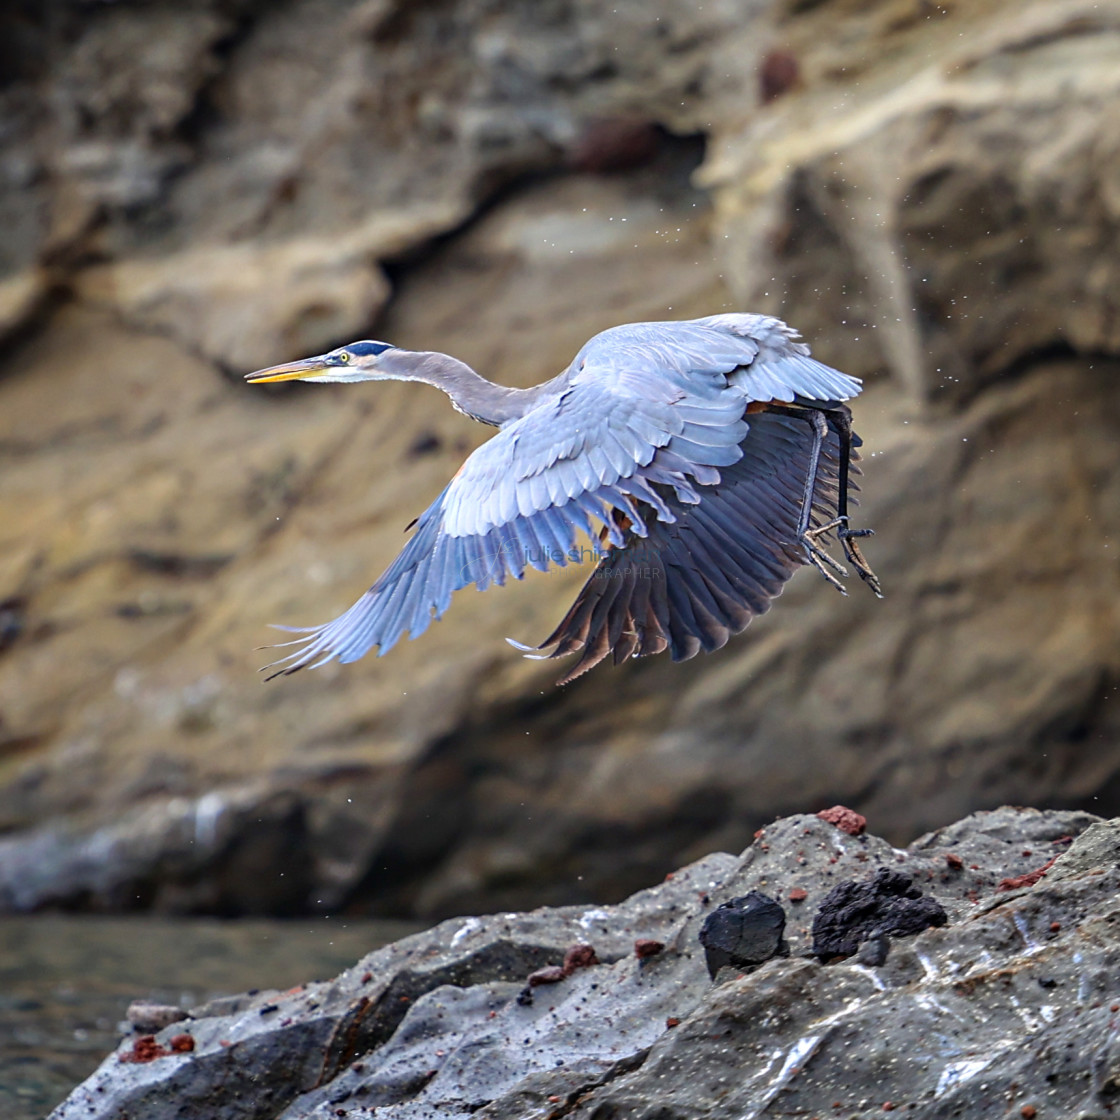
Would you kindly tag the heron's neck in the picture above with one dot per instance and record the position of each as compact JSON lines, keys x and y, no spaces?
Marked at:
{"x":470,"y":392}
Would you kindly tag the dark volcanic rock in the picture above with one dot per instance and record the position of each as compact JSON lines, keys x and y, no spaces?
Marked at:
{"x":1018,"y":987}
{"x":743,"y":932}
{"x":886,"y":905}
{"x":874,"y":951}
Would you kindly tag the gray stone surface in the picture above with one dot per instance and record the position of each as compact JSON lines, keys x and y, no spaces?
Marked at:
{"x":1011,"y":1004}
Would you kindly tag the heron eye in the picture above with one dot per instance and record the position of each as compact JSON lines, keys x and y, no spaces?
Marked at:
{"x":344,"y":357}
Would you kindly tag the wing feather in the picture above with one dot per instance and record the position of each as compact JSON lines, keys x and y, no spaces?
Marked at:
{"x":703,"y":577}
{"x":684,"y":641}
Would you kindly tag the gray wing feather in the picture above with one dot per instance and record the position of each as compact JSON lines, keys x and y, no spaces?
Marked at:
{"x":622,"y":439}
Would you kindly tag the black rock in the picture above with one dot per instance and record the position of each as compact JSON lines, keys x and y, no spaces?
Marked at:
{"x":743,"y":932}
{"x":874,"y":951}
{"x":886,"y":905}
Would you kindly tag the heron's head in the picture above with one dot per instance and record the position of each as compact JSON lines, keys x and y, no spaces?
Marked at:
{"x":356,"y":362}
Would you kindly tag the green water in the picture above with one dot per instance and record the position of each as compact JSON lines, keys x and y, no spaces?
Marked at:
{"x":65,"y":983}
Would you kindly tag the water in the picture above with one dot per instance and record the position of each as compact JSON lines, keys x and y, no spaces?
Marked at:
{"x":65,"y":983}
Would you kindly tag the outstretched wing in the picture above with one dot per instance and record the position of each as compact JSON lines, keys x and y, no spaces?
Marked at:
{"x":697,"y":580}
{"x":645,"y":415}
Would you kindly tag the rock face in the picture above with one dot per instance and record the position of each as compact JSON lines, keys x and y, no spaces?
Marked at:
{"x":932,"y":193}
{"x":929,"y":191}
{"x":246,"y":172}
{"x":1005,"y":1009}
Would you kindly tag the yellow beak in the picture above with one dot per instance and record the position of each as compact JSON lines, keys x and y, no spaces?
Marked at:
{"x":304,"y":369}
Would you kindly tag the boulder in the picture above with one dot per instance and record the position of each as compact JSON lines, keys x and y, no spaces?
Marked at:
{"x":1006,"y":1006}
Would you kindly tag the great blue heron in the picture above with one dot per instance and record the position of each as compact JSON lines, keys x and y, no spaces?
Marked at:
{"x":713,"y":453}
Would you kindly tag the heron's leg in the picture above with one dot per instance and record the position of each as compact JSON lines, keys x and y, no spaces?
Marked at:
{"x":807,"y":537}
{"x":818,"y":419}
{"x":847,"y":536}
{"x":821,"y":560}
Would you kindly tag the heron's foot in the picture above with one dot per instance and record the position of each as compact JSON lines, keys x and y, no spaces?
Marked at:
{"x":827,"y":565}
{"x":855,"y":557}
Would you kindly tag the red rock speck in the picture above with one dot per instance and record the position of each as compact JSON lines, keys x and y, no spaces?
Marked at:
{"x":145,"y":1049}
{"x":1027,"y":880}
{"x":778,"y":74}
{"x":579,"y":956}
{"x":612,"y":144}
{"x":1028,"y":1112}
{"x":672,"y":1022}
{"x":798,"y":894}
{"x":954,"y":861}
{"x":182,"y":1043}
{"x":847,"y":820}
{"x":645,"y":947}
{"x":552,"y":974}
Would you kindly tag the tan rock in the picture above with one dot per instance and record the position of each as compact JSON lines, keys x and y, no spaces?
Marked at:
{"x":245,"y":305}
{"x":20,"y":297}
{"x":939,"y":202}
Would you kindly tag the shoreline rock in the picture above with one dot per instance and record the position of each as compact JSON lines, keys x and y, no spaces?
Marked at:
{"x":432,"y":1026}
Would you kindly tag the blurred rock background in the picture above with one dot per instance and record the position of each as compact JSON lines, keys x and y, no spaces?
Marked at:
{"x":929,"y":190}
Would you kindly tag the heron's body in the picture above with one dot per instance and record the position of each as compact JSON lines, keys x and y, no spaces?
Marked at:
{"x":703,"y":460}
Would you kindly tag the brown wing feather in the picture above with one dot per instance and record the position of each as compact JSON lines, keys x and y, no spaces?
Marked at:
{"x":693,"y":583}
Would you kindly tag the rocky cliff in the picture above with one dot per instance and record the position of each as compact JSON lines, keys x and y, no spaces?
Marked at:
{"x":930,"y":191}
